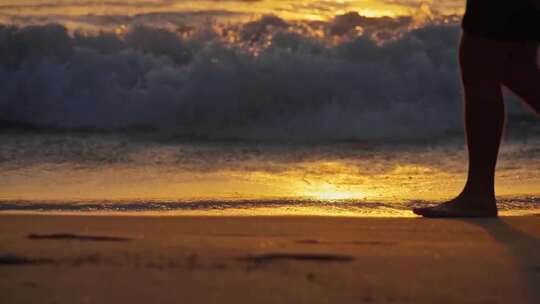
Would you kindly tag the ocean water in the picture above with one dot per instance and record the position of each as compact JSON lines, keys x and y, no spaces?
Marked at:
{"x":241,"y":107}
{"x":152,"y":173}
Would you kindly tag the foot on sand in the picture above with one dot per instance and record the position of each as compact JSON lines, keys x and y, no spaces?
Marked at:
{"x":461,"y":207}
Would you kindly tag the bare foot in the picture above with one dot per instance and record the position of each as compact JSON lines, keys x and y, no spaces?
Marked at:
{"x":461,"y":207}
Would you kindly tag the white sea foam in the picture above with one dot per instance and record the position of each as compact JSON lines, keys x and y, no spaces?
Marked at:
{"x":265,"y":79}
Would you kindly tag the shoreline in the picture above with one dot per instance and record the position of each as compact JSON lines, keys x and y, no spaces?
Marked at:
{"x":299,"y":212}
{"x":508,"y":206}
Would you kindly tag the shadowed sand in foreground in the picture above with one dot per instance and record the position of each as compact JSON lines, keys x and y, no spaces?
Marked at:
{"x":135,"y":259}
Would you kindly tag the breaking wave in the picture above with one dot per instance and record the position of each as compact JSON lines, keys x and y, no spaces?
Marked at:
{"x":352,"y":78}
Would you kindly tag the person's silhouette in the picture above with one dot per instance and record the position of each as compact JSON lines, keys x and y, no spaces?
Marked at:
{"x":498,"y":48}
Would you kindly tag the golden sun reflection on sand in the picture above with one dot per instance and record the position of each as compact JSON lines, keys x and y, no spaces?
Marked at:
{"x":341,"y":180}
{"x":331,"y":193}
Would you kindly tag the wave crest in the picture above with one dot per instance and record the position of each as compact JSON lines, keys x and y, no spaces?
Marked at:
{"x":265,"y":79}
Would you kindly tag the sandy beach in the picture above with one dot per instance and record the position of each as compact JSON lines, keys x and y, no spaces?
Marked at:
{"x":190,"y":259}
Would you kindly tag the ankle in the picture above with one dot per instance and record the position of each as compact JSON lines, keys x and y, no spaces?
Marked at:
{"x":476,"y":193}
{"x":476,"y":199}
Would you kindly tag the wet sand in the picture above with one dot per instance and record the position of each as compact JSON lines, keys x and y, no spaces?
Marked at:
{"x":193,"y":259}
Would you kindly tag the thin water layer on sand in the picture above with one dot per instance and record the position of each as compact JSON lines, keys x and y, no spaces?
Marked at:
{"x":70,"y":172}
{"x":508,"y":206}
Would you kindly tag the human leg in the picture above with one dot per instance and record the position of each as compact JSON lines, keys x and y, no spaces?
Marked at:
{"x":480,"y":64}
{"x":522,"y":74}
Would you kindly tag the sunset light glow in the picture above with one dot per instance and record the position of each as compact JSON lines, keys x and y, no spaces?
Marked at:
{"x":287,"y":9}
